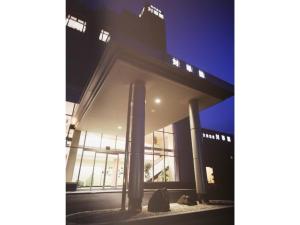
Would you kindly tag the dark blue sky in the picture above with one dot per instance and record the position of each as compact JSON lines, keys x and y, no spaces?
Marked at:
{"x":200,"y":32}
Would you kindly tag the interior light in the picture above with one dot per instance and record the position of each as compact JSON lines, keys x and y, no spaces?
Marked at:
{"x":223,"y":137}
{"x":119,"y":127}
{"x":157,"y":101}
{"x":175,"y":62}
{"x":228,"y":139}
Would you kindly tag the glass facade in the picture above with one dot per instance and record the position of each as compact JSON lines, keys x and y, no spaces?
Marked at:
{"x":100,"y":159}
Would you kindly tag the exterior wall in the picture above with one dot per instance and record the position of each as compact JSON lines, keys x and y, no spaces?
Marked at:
{"x":218,"y":154}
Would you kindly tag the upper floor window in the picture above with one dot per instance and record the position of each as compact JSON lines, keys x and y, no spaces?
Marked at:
{"x":104,"y":36}
{"x":201,"y":74}
{"x":223,"y":138}
{"x":155,"y":11}
{"x":175,"y":62}
{"x":217,"y":137}
{"x":189,"y":68}
{"x":76,"y":24}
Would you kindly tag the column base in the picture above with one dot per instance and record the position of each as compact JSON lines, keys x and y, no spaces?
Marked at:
{"x":203,"y":198}
{"x":135,"y":205}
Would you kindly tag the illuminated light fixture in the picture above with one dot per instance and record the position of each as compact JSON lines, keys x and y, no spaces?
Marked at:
{"x":210,"y":136}
{"x":223,"y":138}
{"x":189,"y":68}
{"x":75,"y":23}
{"x":203,"y":134}
{"x":120,"y":127}
{"x":104,"y":36}
{"x":175,"y":62}
{"x":153,"y":110}
{"x":231,"y":157}
{"x":228,"y":139}
{"x":213,"y":136}
{"x":201,"y":74}
{"x":157,"y":101}
{"x":74,"y":120}
{"x":217,"y":137}
{"x":207,"y":136}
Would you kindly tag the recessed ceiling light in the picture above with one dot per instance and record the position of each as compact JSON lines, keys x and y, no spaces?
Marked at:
{"x":153,"y":110}
{"x":157,"y":101}
{"x":119,"y":127}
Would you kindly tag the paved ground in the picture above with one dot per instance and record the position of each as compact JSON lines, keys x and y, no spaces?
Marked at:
{"x":179,"y":214}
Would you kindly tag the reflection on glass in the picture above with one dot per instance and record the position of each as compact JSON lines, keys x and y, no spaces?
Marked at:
{"x":120,"y":172}
{"x":85,"y":176}
{"x":99,"y":169}
{"x":77,"y":164}
{"x":210,"y":175}
{"x":169,"y":142}
{"x":148,"y":168}
{"x":120,"y":145}
{"x":92,"y":140}
{"x":111,"y":170}
{"x":108,"y":142}
{"x":158,"y":140}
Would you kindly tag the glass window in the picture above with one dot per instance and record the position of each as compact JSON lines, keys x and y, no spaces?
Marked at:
{"x":228,"y":139}
{"x":99,"y":168}
{"x":120,"y":145}
{"x":223,"y":137}
{"x":169,"y":128}
{"x":111,"y":170}
{"x":169,"y":168}
{"x":77,"y":164}
{"x":75,"y":23}
{"x":148,"y":168}
{"x":217,"y":137}
{"x":92,"y":140}
{"x":120,"y":172}
{"x":203,"y":135}
{"x":82,"y":138}
{"x":210,"y":175}
{"x":159,"y":168}
{"x":189,"y":68}
{"x":169,"y":141}
{"x":108,"y":142}
{"x":158,"y":140}
{"x":201,"y":74}
{"x":104,"y":36}
{"x":86,"y":170}
{"x":149,"y":140}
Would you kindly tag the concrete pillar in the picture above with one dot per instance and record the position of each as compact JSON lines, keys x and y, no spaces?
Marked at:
{"x":137,"y":137}
{"x":199,"y":166}
{"x":72,"y":156}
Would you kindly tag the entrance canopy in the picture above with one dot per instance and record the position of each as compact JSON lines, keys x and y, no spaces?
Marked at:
{"x":103,"y":106}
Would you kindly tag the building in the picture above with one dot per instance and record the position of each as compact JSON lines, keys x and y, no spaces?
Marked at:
{"x":125,"y":92}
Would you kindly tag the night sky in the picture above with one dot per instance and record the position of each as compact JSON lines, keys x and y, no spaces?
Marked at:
{"x":200,"y":32}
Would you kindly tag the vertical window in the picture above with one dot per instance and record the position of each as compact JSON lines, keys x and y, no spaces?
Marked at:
{"x":217,"y":137}
{"x":104,"y":36}
{"x":189,"y":68}
{"x":85,"y":176}
{"x":76,"y":24}
{"x":175,"y":62}
{"x":203,"y":135}
{"x":201,"y":74}
{"x":108,"y":142}
{"x":210,"y":175}
{"x":223,"y":138}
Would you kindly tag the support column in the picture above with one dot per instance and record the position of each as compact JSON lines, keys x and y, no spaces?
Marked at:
{"x":199,"y":166}
{"x":137,"y":137}
{"x":72,"y":156}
